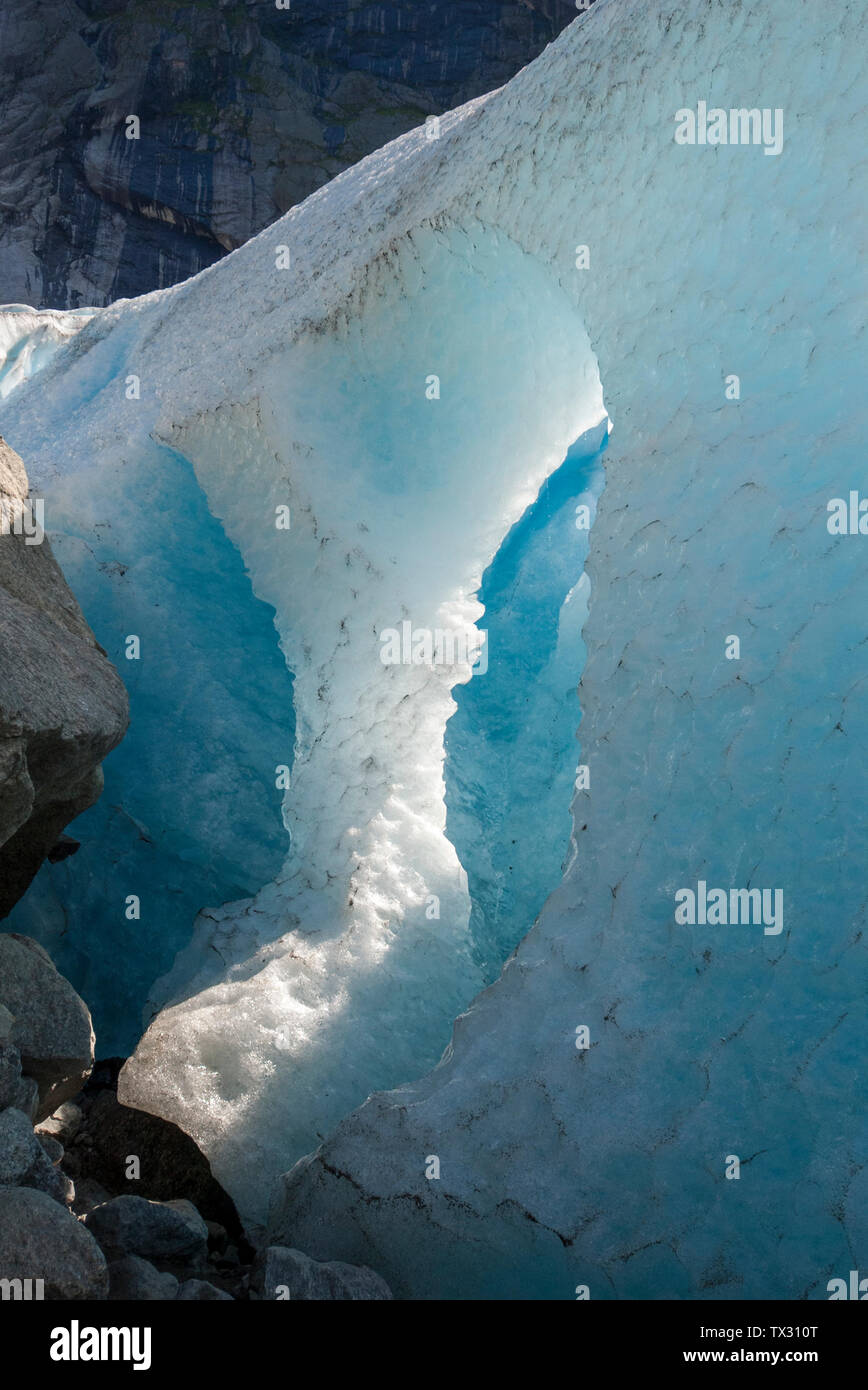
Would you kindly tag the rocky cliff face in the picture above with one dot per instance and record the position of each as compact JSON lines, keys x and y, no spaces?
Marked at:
{"x":63,"y":707}
{"x":243,"y":108}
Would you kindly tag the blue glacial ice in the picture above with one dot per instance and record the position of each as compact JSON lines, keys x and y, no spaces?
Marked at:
{"x":190,"y":814}
{"x":512,"y":750}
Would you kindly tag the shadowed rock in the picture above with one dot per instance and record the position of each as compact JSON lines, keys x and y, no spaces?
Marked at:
{"x":24,"y":1162}
{"x":200,"y":1291}
{"x":290,"y":1274}
{"x":155,"y":1230}
{"x":51,"y":1028}
{"x":171,"y":1165}
{"x":62,"y":704}
{"x":134,"y":1278}
{"x":40,"y":1240}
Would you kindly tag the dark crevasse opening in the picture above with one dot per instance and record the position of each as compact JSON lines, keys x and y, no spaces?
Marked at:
{"x":512,"y":746}
{"x":211,"y":705}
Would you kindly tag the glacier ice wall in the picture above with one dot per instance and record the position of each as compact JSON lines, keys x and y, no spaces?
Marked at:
{"x":606,"y":1167}
{"x":351,"y":966}
{"x":457,"y":257}
{"x":344,"y":973}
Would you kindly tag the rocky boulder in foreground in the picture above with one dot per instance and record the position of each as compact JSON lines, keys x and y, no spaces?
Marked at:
{"x":152,"y":1230}
{"x":50,"y":1026}
{"x":39,"y":1239}
{"x":63,"y":706}
{"x":290,"y":1274}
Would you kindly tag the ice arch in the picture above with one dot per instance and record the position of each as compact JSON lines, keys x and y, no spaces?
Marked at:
{"x":350,"y":967}
{"x":402,"y":439}
{"x":705,"y":262}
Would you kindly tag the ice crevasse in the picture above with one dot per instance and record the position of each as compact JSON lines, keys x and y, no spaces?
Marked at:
{"x":461,"y":258}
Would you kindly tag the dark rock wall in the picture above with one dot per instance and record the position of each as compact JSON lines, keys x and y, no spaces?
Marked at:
{"x":245,"y":109}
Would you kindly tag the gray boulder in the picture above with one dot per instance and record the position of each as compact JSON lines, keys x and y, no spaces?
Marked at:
{"x":27,"y":1098}
{"x":154,"y":1230}
{"x":88,"y":1195}
{"x":52,"y":1028}
{"x":63,"y":707}
{"x":63,"y":1125}
{"x":10,"y":1074}
{"x":290,"y":1272}
{"x":200,"y":1291}
{"x":10,"y":1061}
{"x":24,"y":1162}
{"x":41,"y":1240}
{"x":51,"y":1147}
{"x":131,"y":1277}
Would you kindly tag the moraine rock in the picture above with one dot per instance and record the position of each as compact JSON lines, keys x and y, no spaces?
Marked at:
{"x":15,"y":1089}
{"x":52,"y":1147}
{"x":63,"y":1125}
{"x":171,"y":1164}
{"x":40,"y":1240}
{"x":218,"y":1237}
{"x":52,"y":1028}
{"x":62,"y":704}
{"x":10,"y":1061}
{"x":10,"y":1074}
{"x":89,"y":1195}
{"x":131,"y":1277}
{"x":24,"y":1162}
{"x":200,"y":1291}
{"x":305,"y":1278}
{"x":154,"y":1230}
{"x":27,"y":1098}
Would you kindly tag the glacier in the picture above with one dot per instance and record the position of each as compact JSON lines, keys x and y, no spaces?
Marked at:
{"x":337,"y":955}
{"x":554,"y":258}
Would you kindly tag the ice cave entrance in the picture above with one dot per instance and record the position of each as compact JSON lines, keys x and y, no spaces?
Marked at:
{"x":511,"y":747}
{"x":407,"y":503}
{"x":190,"y":815}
